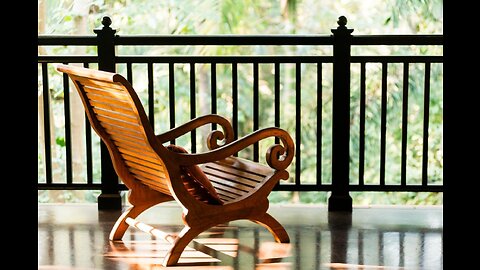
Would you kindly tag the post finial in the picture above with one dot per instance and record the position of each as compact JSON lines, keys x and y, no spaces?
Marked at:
{"x":106,"y":21}
{"x":342,"y":22}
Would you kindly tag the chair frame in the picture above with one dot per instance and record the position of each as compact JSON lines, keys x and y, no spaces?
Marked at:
{"x":197,"y":216}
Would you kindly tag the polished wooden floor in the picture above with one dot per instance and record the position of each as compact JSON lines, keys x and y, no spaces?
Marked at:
{"x":75,"y":237}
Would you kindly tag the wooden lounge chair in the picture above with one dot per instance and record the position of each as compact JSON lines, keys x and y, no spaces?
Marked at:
{"x":213,"y":187}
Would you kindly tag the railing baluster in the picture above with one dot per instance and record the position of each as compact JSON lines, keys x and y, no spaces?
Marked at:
{"x":235,"y":99}
{"x":46,"y":124}
{"x":255,"y":109}
{"x":151,"y":97}
{"x":171,"y":95}
{"x":277,"y":97}
{"x":403,"y":168}
{"x":213,"y":86}
{"x":383,"y":124}
{"x":129,"y":73}
{"x":298,"y":122}
{"x":319,"y":123}
{"x":193,"y":106}
{"x":88,"y":145}
{"x":88,"y":150}
{"x":426,"y":116}
{"x":361,"y":156}
{"x":68,"y":133}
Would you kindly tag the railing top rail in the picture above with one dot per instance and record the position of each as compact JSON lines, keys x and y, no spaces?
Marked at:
{"x":397,"y":40}
{"x":224,"y":40}
{"x":139,"y":40}
{"x":57,"y":40}
{"x":239,"y":59}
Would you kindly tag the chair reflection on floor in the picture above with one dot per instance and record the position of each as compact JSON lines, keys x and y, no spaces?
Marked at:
{"x":214,"y":249}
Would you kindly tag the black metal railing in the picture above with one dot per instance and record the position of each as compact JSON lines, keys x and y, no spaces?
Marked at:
{"x":341,"y":64}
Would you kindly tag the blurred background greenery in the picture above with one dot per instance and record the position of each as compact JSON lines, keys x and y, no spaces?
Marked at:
{"x":204,"y":17}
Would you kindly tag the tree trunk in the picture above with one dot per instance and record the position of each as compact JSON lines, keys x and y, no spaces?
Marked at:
{"x":203,"y":94}
{"x":41,"y":22}
{"x":81,"y":10}
{"x":288,"y":10}
{"x":54,"y":195}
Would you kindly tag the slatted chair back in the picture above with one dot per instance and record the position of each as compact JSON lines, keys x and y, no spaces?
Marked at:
{"x":118,"y":117}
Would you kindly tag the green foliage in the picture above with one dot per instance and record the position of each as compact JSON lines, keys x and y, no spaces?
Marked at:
{"x":419,"y":15}
{"x":60,"y":141}
{"x":269,"y":17}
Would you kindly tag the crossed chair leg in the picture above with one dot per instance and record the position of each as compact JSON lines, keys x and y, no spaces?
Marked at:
{"x":188,"y":233}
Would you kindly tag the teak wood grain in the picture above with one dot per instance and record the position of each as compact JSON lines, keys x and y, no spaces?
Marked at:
{"x":152,"y":173}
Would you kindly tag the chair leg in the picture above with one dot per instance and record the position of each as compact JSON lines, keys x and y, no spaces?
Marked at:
{"x":184,"y":237}
{"x":121,"y":226}
{"x":277,"y":230}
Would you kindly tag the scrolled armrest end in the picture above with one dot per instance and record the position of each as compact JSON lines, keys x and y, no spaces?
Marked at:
{"x":213,"y":138}
{"x":278,"y":157}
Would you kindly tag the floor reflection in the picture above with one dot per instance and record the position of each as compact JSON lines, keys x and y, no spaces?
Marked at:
{"x":335,"y":243}
{"x":214,"y":249}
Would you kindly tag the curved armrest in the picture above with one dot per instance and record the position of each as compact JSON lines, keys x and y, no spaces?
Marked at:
{"x":278,"y":156}
{"x":198,"y":122}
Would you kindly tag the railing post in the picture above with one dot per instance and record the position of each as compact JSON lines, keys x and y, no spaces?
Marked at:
{"x":340,"y":199}
{"x":110,"y":198}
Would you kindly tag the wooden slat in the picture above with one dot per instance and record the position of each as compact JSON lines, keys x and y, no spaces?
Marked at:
{"x":112,"y":131}
{"x":107,"y":91}
{"x":97,"y":83}
{"x":96,"y":94}
{"x":144,"y":176}
{"x":146,"y":168}
{"x":230,"y":183}
{"x":154,"y":165}
{"x":134,"y":127}
{"x":141,"y":155}
{"x":156,"y":185}
{"x":134,"y":140}
{"x":221,"y":187}
{"x":236,"y":170}
{"x":225,"y":198}
{"x":144,"y":155}
{"x":159,"y":183}
{"x":131,"y":142}
{"x":115,"y":114}
{"x":110,"y":101}
{"x":246,"y":166}
{"x":118,"y":124}
{"x":110,"y":107}
{"x":112,"y":128}
{"x":138,"y":171}
{"x":231,"y":174}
